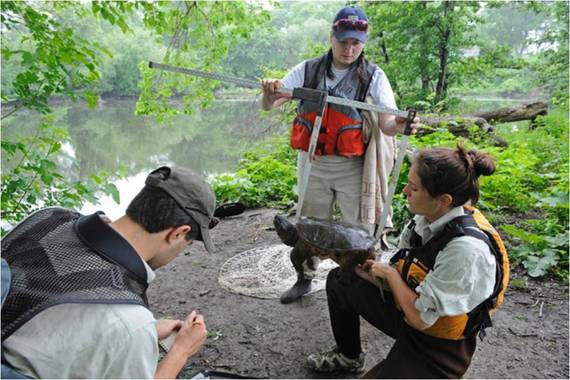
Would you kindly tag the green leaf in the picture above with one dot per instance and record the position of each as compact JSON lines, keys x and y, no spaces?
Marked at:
{"x":6,"y":54}
{"x":114,"y":192}
{"x":9,"y":147}
{"x":91,"y":98}
{"x":27,"y":58}
{"x":522,"y":234}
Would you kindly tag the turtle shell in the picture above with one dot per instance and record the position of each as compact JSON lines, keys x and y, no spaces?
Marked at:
{"x":331,"y":237}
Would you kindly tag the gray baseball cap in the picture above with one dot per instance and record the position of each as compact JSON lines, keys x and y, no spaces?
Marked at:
{"x":192,"y":194}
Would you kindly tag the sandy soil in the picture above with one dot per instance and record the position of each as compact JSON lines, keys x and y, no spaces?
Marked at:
{"x":261,"y":338}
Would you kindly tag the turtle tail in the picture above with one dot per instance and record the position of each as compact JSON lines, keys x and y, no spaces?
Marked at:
{"x":286,"y":230}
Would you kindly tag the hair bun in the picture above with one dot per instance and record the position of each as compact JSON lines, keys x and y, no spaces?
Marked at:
{"x":483,"y":163}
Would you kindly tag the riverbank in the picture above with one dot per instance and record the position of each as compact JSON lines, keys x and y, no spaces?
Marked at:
{"x":256,"y":337}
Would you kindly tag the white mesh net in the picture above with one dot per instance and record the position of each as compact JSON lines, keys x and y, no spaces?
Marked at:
{"x":266,"y":272}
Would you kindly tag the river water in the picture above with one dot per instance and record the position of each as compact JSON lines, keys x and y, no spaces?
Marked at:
{"x":112,"y":138}
{"x":210,"y":141}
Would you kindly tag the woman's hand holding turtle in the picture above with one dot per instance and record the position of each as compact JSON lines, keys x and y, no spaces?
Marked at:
{"x":378,"y":269}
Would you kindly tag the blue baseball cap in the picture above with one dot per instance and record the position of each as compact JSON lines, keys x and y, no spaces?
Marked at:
{"x":351,"y":22}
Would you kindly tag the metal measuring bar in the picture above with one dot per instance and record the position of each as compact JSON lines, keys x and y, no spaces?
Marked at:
{"x":254,"y":84}
{"x":395,"y":174}
{"x":391,"y":190}
{"x":316,"y":99}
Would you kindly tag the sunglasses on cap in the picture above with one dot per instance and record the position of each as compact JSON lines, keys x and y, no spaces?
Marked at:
{"x":348,"y":24}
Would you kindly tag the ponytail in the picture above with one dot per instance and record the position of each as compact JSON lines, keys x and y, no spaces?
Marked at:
{"x":453,"y":171}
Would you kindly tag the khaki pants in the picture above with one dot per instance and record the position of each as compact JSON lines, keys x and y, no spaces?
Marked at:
{"x":333,"y":181}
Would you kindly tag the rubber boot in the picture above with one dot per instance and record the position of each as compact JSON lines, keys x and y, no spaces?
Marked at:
{"x":300,"y":288}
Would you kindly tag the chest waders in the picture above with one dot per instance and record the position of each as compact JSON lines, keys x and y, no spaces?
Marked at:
{"x":416,"y":262}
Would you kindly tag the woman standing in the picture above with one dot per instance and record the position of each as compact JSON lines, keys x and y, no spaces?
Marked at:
{"x":451,"y":272}
{"x":336,"y":174}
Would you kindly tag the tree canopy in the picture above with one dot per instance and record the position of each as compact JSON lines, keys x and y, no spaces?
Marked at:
{"x":436,"y":55}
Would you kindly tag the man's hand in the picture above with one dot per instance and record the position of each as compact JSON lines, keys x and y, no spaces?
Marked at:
{"x":190,"y":338}
{"x":165,"y":327}
{"x":192,"y":334}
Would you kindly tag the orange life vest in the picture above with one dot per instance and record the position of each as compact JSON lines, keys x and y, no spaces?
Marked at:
{"x":341,"y":126}
{"x":415,"y":263}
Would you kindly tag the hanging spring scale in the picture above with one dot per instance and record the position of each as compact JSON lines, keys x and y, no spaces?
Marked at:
{"x":317,"y":99}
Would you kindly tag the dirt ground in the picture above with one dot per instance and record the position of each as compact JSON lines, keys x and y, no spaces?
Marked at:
{"x":261,"y":338}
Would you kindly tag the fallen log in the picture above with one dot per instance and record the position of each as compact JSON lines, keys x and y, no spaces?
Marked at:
{"x":462,"y":126}
{"x":516,"y":113}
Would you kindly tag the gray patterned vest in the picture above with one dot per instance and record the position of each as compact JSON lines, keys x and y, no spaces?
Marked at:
{"x":57,"y":256}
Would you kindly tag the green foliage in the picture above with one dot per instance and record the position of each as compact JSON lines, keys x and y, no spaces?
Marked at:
{"x":34,"y":180}
{"x":539,"y":253}
{"x":266,"y":176}
{"x":492,"y":71}
{"x":519,"y":283}
{"x":531,"y":180}
{"x":51,"y":50}
{"x":422,"y":41}
{"x":553,"y":63}
{"x":199,"y":34}
{"x":287,"y":39}
{"x":510,"y":25}
{"x":49,"y":60}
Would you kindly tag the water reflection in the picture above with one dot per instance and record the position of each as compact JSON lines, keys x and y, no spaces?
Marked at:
{"x":112,"y":138}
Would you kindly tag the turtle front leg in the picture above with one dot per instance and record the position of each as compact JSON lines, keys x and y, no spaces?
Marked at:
{"x":303,"y":261}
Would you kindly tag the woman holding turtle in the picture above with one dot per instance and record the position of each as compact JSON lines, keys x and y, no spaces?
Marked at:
{"x":449,"y":275}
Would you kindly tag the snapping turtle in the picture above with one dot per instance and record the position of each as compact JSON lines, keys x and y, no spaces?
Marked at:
{"x":346,"y":244}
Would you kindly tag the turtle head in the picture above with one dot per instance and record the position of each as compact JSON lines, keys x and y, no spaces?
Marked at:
{"x":285,"y":230}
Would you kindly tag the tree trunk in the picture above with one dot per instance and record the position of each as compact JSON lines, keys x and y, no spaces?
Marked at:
{"x":516,"y":113}
{"x":441,"y":88}
{"x":424,"y":71}
{"x":383,"y":47}
{"x":462,"y":125}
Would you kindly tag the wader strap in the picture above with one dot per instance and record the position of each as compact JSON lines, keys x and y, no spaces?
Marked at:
{"x":87,"y":228}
